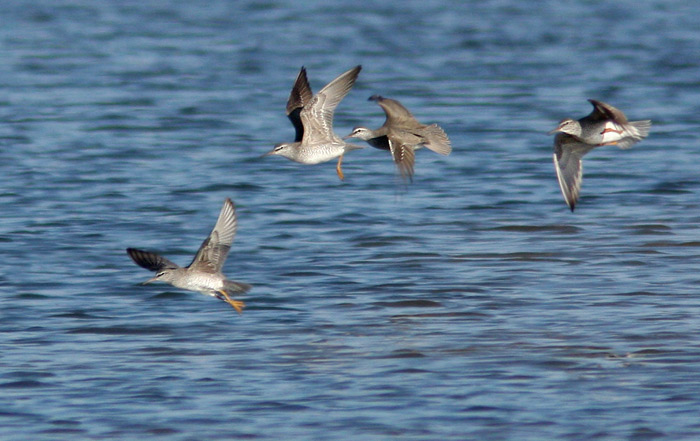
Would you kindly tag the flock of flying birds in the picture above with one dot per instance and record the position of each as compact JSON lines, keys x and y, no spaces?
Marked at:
{"x":401,"y":134}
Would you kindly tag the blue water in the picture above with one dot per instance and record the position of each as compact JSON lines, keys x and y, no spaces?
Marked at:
{"x":469,"y":305}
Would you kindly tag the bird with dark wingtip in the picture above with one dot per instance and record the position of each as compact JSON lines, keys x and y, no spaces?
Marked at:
{"x":312,"y":117}
{"x":204,"y":273}
{"x":402,"y":134}
{"x":605,"y":125}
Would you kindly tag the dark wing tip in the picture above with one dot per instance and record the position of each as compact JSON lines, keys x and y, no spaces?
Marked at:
{"x":375,"y":98}
{"x":146,"y":259}
{"x":597,"y":105}
{"x":139,"y":257}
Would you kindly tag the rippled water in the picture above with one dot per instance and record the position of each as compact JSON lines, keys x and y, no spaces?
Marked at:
{"x":469,"y":305}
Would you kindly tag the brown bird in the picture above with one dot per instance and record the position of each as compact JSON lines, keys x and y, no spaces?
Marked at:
{"x":402,"y":135}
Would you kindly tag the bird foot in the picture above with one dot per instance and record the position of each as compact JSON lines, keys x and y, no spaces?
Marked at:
{"x":237,"y":304}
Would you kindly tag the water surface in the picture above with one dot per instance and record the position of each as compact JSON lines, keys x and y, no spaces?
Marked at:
{"x":469,"y":305}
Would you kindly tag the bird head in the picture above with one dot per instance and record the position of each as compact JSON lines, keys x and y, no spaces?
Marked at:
{"x":165,"y":275}
{"x":285,"y":149}
{"x":362,"y":133}
{"x":569,"y":126}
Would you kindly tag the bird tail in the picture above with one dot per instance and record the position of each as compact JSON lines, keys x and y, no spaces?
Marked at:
{"x":232,"y":287}
{"x":437,"y":140}
{"x":633,"y":132}
{"x":640,"y":129}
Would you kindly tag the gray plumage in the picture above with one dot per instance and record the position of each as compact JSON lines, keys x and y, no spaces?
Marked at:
{"x":402,"y":134}
{"x":605,"y":125}
{"x":312,"y":117}
{"x":204,"y":273}
{"x":568,"y":156}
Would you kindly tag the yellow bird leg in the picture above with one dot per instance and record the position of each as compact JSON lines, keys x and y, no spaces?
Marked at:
{"x":339,"y":168}
{"x":237,"y":304}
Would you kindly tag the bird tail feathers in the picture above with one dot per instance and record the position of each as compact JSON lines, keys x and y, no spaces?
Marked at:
{"x":639,"y":129}
{"x":437,"y":140}
{"x":232,"y":287}
{"x":634,"y":132}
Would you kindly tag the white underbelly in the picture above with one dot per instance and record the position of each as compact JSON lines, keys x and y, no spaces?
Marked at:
{"x":612,"y":133}
{"x":205,"y":285}
{"x":317,"y":155}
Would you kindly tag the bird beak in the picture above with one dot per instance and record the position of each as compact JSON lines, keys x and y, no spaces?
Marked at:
{"x":270,"y":153}
{"x":149,"y":281}
{"x":553,"y":131}
{"x":347,"y":137}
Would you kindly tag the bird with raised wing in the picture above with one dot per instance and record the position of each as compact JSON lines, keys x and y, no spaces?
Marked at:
{"x":312,"y":117}
{"x":204,"y":273}
{"x":402,"y":134}
{"x":606,"y":125}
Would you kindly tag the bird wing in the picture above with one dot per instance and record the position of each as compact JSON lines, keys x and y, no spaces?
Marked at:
{"x":150,"y":261}
{"x":380,"y":142}
{"x":299,"y":97}
{"x":212,"y":254}
{"x":396,"y":114}
{"x":604,"y":111}
{"x":404,"y":157}
{"x":568,"y":155}
{"x":317,"y":117}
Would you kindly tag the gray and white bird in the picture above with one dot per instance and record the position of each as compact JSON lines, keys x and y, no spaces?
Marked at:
{"x":204,"y":273}
{"x":606,"y":125}
{"x":312,"y":117}
{"x":402,"y":134}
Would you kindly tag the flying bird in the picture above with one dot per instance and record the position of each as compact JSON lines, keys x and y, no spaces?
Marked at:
{"x":204,"y":273}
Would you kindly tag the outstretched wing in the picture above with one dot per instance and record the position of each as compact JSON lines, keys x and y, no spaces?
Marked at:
{"x":317,"y":117}
{"x":150,"y":261}
{"x":604,"y":111}
{"x":212,"y":254}
{"x":299,"y":97}
{"x":396,"y":114}
{"x":404,"y":158}
{"x":568,"y":155}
